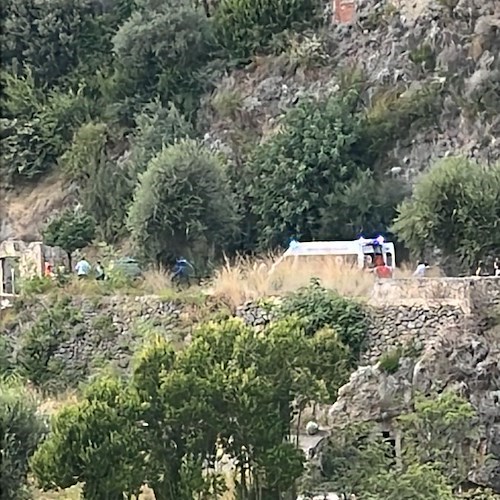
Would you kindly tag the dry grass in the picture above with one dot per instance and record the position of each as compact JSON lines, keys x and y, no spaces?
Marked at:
{"x":245,"y":279}
{"x":156,"y":280}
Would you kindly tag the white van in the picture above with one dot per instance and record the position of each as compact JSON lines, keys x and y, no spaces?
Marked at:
{"x":361,"y":253}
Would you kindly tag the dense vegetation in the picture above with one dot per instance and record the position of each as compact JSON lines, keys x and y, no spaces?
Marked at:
{"x":112,"y":96}
{"x":96,"y":92}
{"x":223,"y":413}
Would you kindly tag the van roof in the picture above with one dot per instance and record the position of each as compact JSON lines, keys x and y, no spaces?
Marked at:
{"x":326,"y":247}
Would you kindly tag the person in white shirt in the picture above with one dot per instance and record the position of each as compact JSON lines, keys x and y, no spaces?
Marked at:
{"x":421,"y":268}
{"x":82,"y":268}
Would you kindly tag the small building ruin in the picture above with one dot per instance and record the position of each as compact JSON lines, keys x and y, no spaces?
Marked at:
{"x":22,"y":260}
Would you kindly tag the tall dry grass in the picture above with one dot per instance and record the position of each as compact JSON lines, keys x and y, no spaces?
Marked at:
{"x":246,"y":279}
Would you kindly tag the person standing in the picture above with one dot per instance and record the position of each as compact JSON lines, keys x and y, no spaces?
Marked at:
{"x":496,"y":267}
{"x":82,"y":268}
{"x":100,"y":275}
{"x":481,"y":269}
{"x":421,"y":268}
{"x":182,"y":270}
{"x":383,"y":271}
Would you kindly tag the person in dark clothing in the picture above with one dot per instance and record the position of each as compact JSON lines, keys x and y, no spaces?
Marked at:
{"x":481,"y":269}
{"x":100,"y":275}
{"x":182,"y":270}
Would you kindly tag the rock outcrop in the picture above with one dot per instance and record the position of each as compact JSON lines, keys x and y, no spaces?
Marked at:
{"x":458,"y":360}
{"x":398,"y":46}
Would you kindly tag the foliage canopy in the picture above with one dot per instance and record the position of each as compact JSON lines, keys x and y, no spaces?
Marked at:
{"x":455,"y":207}
{"x":72,"y":230}
{"x":183,"y":203}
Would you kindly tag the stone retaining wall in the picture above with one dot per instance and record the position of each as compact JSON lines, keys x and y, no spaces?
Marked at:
{"x":411,"y":312}
{"x":399,"y":326}
{"x":101,"y":331}
{"x":470,"y":294}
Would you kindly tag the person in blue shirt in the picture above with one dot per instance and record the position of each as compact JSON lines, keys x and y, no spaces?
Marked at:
{"x":182,"y":270}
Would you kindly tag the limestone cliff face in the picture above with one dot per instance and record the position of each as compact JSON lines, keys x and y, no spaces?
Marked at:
{"x":398,"y":44}
{"x":457,"y":360}
{"x":463,"y":357}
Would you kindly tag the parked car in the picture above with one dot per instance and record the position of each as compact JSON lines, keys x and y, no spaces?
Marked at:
{"x":129,"y":267}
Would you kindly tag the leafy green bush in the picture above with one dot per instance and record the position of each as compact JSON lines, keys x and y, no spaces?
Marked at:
{"x":311,"y":154}
{"x":104,"y":187}
{"x":157,"y":126}
{"x":244,"y":27}
{"x":36,"y":285}
{"x":332,"y":363}
{"x":52,"y":37}
{"x":94,"y":441}
{"x":183,"y":204}
{"x":438,"y":440}
{"x":160,"y":50}
{"x":38,"y":126}
{"x":454,"y":208}
{"x":389,"y":361}
{"x":392,"y":114}
{"x":21,"y":429}
{"x":174,"y":406}
{"x":318,"y":308}
{"x":6,"y":365}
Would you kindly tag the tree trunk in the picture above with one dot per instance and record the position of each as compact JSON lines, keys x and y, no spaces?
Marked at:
{"x":299,"y":416}
{"x":70,"y":262}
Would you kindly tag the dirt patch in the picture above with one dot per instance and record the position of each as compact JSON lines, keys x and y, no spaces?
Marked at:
{"x":24,"y":210}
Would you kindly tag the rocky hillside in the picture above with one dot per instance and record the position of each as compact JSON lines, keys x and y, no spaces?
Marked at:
{"x":453,"y":46}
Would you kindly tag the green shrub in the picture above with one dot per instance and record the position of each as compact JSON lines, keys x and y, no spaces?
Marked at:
{"x":36,"y":285}
{"x":389,"y":361}
{"x":38,"y":127}
{"x":183,"y":204}
{"x":104,"y":187}
{"x":312,"y":154}
{"x":71,"y":230}
{"x":6,"y":365}
{"x":39,"y":342}
{"x":454,"y":208}
{"x":392,"y":114}
{"x":157,"y":126}
{"x":52,"y":37}
{"x":244,"y":27}
{"x":160,"y":50}
{"x":424,"y":56}
{"x":20,"y":432}
{"x":318,"y":308}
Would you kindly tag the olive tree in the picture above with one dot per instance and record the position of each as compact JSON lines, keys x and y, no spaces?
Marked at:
{"x":183,"y":204}
{"x":455,"y":207}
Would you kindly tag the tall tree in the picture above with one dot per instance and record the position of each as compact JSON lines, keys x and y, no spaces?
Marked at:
{"x":183,"y":204}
